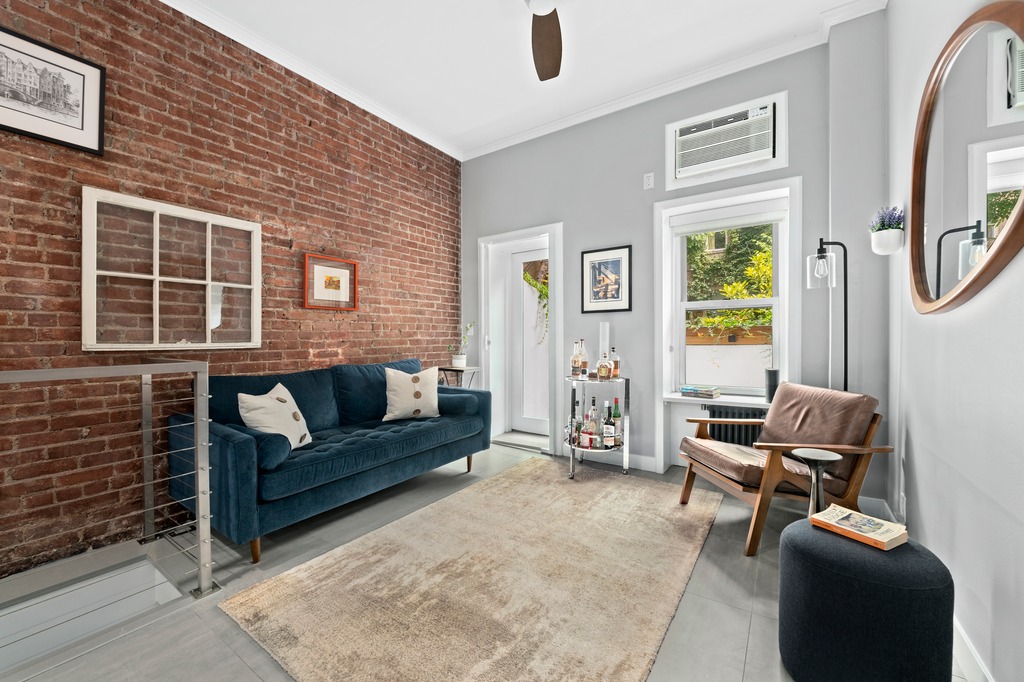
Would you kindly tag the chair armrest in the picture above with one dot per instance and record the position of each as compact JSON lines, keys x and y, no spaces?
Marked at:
{"x":706,"y":420}
{"x":838,"y":449}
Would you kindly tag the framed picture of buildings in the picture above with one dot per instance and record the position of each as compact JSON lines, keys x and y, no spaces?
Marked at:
{"x":50,"y":94}
{"x":331,"y":283}
{"x":606,"y":280}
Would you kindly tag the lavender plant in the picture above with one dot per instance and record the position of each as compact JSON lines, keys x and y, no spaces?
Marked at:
{"x":887,"y":219}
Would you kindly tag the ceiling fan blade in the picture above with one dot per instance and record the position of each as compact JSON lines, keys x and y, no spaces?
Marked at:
{"x":547,"y":45}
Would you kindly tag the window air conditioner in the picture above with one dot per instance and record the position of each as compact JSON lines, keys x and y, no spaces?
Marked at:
{"x":1014,"y":73}
{"x":734,"y":139}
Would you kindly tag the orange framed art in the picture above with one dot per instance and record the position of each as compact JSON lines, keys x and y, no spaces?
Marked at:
{"x":331,"y":283}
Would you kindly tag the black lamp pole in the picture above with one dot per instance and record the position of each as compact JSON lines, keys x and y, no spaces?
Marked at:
{"x":978,"y":234}
{"x":846,"y":289}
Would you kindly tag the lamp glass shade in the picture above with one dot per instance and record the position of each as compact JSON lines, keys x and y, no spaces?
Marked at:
{"x":821,"y":271}
{"x":972,"y":251}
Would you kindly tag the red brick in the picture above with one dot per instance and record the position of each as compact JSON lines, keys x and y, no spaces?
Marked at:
{"x":197,"y":120}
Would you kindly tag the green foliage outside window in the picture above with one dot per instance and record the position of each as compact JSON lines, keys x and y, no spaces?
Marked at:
{"x":999,"y":207}
{"x":743,"y":271}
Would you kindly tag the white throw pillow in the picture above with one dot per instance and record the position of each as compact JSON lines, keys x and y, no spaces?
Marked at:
{"x":275,"y":412}
{"x":411,"y":396}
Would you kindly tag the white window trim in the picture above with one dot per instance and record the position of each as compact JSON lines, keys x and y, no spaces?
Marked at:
{"x":91,"y":197}
{"x":978,"y":174}
{"x":725,"y":207}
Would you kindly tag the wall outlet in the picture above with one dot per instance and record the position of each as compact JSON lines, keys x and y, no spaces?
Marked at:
{"x":648,"y":181}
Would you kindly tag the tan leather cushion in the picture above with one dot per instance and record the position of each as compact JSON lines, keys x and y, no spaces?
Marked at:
{"x":808,"y":414}
{"x":746,"y":465}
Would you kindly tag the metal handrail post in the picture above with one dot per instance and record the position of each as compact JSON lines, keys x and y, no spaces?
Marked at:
{"x":203,"y":512}
{"x":148,"y":496}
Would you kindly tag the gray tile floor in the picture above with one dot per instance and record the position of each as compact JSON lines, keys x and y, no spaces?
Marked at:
{"x":724,"y":629}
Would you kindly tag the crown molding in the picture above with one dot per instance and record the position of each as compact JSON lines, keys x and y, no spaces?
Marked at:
{"x":218,"y":22}
{"x":851,"y":10}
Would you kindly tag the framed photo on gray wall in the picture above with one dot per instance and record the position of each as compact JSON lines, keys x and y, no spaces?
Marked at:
{"x":607,"y":280}
{"x":49,"y":94}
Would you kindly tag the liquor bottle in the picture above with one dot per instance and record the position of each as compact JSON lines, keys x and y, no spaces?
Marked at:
{"x":608,"y":428}
{"x":615,"y":363}
{"x":617,"y":419}
{"x":584,"y":360}
{"x":594,"y":426}
{"x":604,"y":367}
{"x":577,"y":423}
{"x":574,"y":361}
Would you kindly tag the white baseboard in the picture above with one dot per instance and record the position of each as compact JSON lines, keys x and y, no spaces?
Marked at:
{"x":967,"y":656}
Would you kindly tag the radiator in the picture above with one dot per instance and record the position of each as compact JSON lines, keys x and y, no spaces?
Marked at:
{"x":735,"y":433}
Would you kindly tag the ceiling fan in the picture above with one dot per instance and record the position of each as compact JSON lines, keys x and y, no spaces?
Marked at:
{"x":547,"y":38}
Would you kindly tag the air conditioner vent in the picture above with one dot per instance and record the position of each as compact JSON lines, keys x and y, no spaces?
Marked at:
{"x":749,"y":137}
{"x":1014,"y":73}
{"x":734,"y":139}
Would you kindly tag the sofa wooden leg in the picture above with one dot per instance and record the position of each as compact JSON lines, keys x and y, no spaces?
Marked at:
{"x":684,"y":496}
{"x":254,"y":548}
{"x":469,"y":463}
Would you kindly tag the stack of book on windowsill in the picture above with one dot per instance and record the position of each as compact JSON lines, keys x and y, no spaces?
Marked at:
{"x":861,"y":527}
{"x":699,"y":391}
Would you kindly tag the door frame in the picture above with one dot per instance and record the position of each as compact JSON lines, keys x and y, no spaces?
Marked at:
{"x":556,"y":308}
{"x":522,"y":299}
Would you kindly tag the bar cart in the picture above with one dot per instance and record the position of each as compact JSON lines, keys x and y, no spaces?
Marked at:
{"x":608,"y":388}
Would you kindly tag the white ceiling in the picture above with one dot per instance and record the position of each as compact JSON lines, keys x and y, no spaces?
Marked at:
{"x":459,"y":75}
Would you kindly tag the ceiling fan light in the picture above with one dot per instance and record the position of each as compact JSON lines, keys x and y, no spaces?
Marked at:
{"x":541,"y":7}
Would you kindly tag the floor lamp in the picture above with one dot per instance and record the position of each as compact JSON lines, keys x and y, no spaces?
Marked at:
{"x":972,"y":250}
{"x":821,"y":274}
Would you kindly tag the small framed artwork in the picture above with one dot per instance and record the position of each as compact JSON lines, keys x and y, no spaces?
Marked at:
{"x":606,"y":280}
{"x":50,"y":94}
{"x":331,"y":283}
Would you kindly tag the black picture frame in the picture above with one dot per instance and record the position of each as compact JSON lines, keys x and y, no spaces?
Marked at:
{"x":606,"y":280}
{"x":49,"y":94}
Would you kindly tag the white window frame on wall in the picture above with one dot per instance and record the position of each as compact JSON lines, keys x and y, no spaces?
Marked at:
{"x":778,"y":202}
{"x":91,"y":198}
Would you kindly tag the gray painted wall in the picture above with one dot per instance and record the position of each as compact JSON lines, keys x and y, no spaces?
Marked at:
{"x":590,"y":177}
{"x":956,"y":379}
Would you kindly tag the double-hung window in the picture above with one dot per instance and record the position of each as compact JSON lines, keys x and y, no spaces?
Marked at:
{"x":729,"y":281}
{"x":728,"y":303}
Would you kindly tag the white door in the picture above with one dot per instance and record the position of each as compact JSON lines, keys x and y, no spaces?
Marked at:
{"x":528,"y":342}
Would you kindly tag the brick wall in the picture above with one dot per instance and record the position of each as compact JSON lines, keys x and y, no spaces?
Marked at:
{"x":197,"y":120}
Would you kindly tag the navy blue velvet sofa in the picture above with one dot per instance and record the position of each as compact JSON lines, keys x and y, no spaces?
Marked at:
{"x":259,"y":484}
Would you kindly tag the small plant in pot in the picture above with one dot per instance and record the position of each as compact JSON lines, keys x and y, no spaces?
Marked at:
{"x":458,"y":351}
{"x":887,"y":231}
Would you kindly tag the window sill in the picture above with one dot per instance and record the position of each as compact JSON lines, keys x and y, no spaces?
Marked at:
{"x":737,"y":400}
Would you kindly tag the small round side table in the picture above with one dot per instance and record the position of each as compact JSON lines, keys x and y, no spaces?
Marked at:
{"x":816,"y":460}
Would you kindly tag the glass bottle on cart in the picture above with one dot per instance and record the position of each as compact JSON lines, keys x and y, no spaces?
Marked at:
{"x":608,"y":429}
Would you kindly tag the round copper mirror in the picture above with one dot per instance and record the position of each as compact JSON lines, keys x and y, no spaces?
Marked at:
{"x":994,"y":243}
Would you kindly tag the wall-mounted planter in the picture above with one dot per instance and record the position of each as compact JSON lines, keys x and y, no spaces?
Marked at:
{"x":886,"y":242}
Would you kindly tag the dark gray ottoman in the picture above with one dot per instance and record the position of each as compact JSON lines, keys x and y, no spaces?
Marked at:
{"x":848,"y":611}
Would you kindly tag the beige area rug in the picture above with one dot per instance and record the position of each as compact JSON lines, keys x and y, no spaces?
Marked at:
{"x":526,"y":575}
